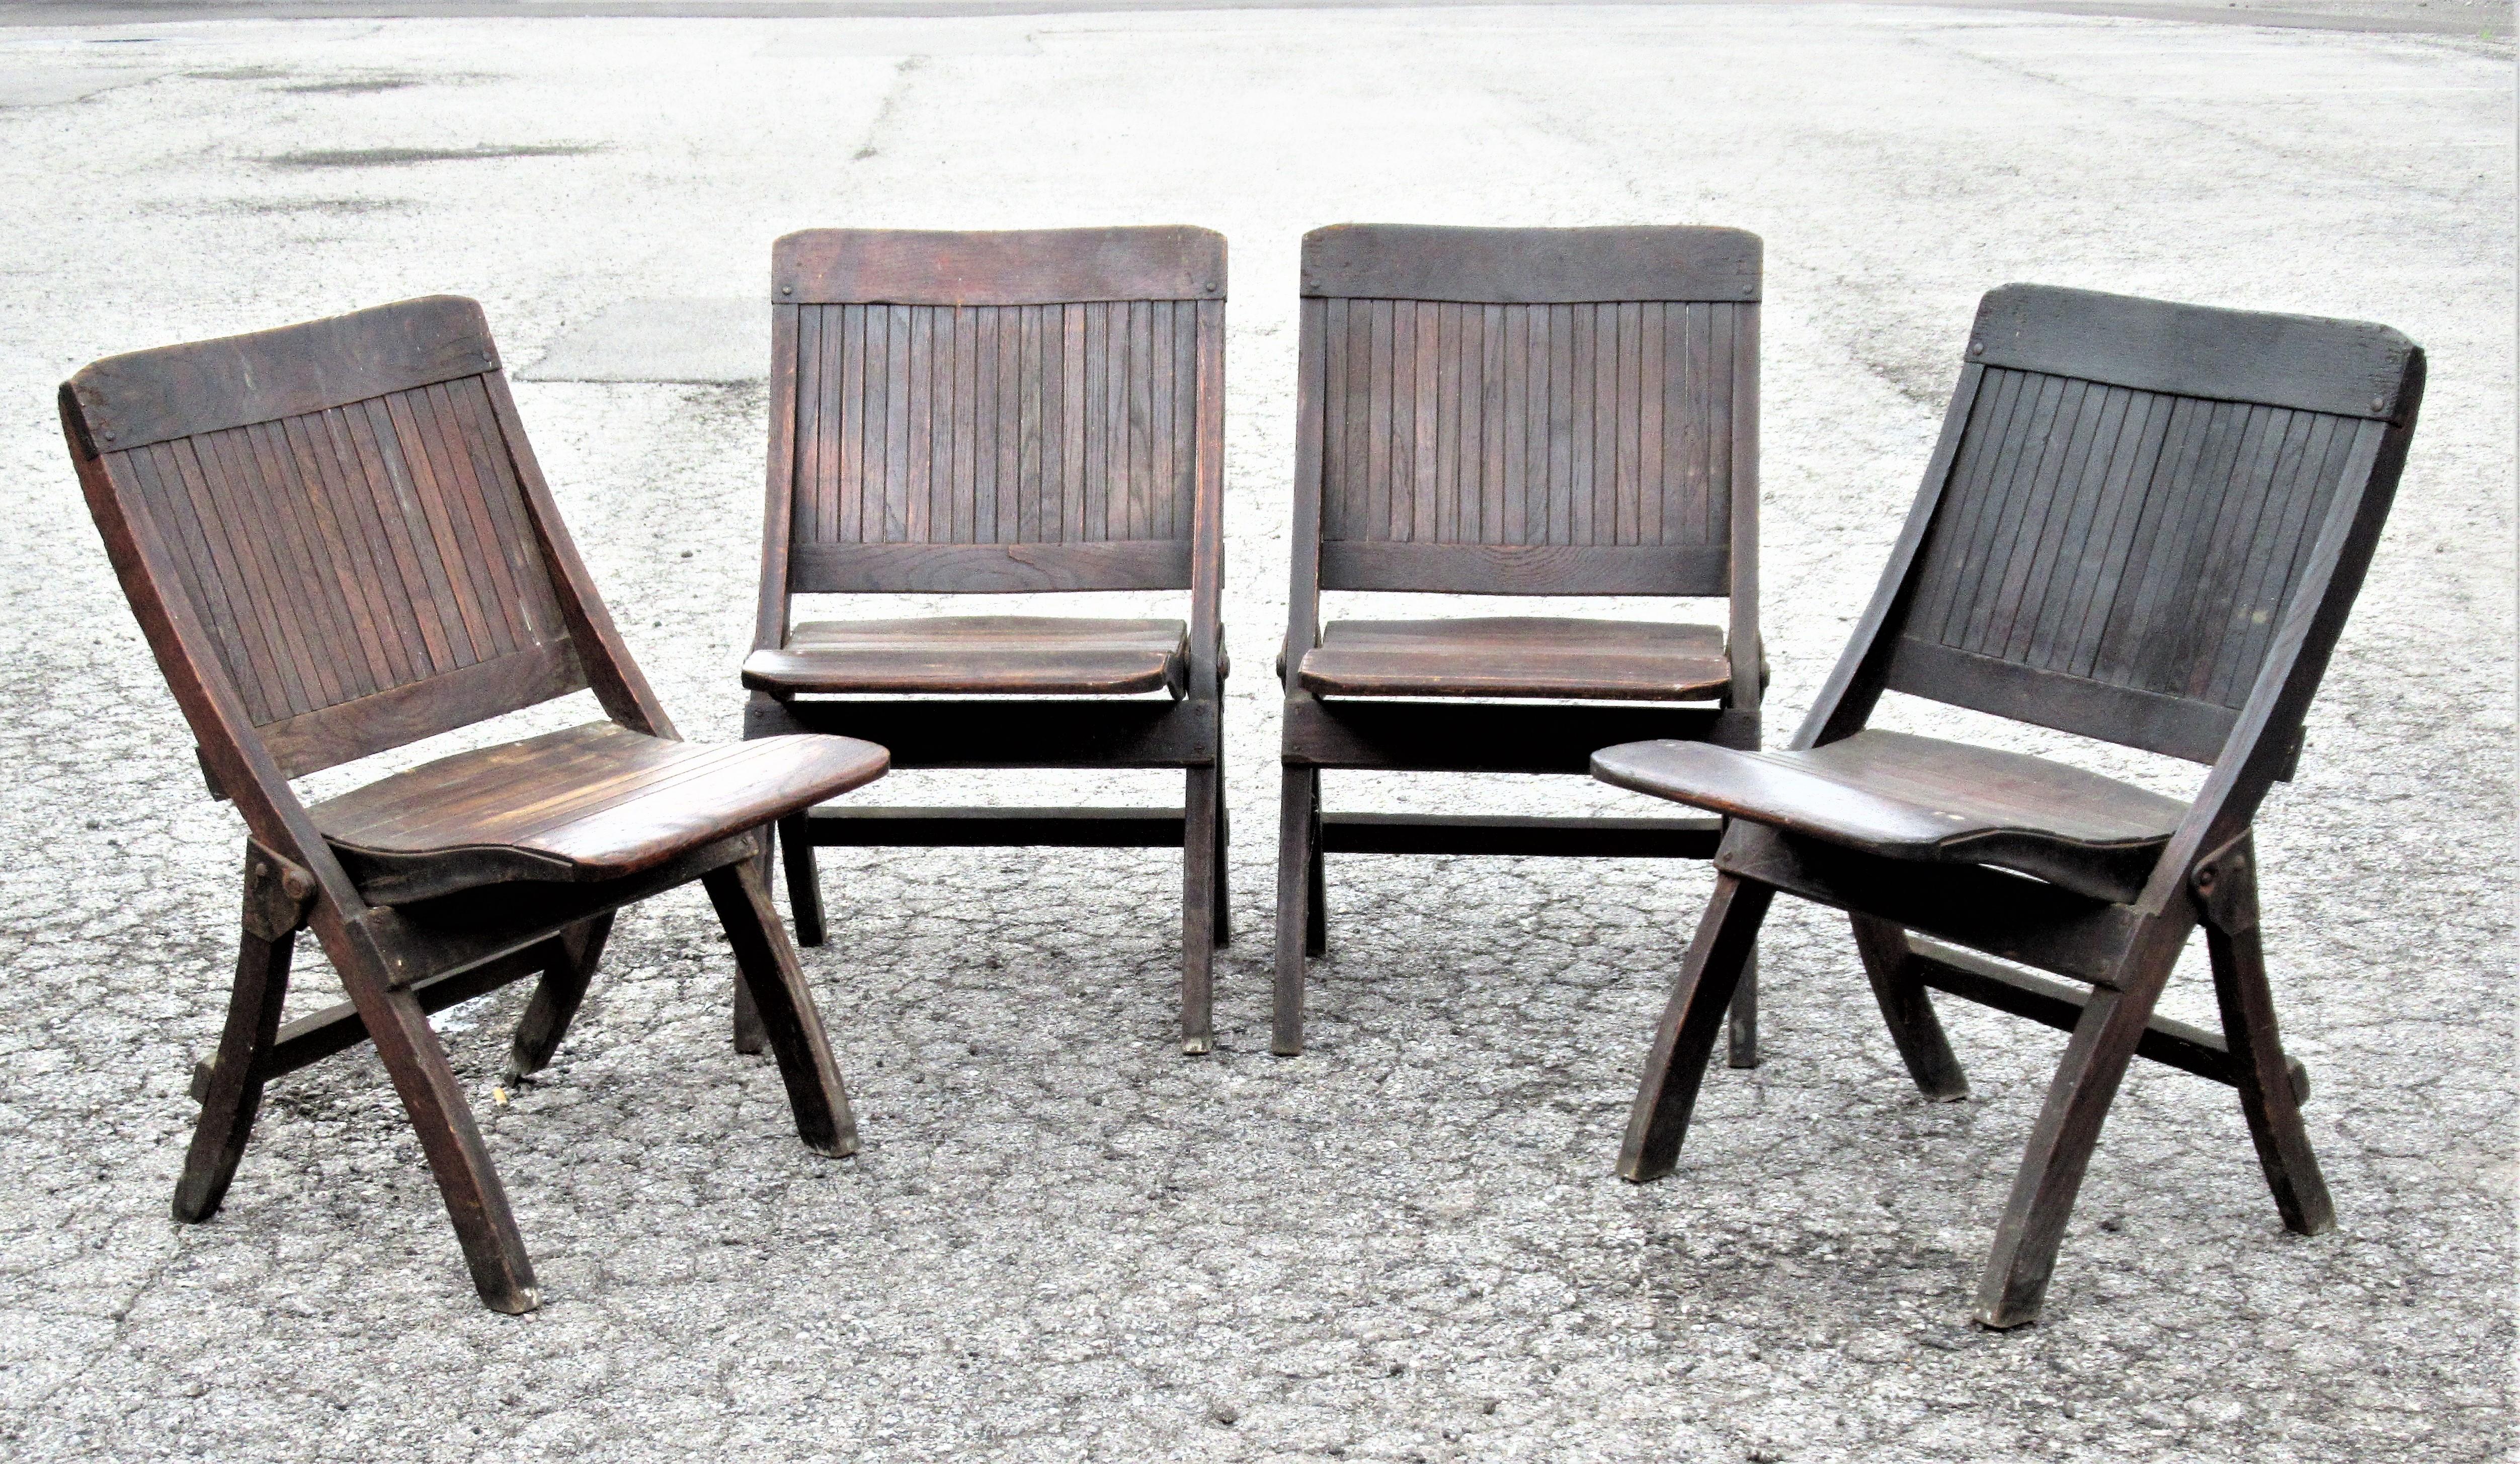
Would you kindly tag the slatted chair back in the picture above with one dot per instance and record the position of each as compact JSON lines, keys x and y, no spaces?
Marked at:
{"x":1533,"y":410}
{"x":1021,"y":410}
{"x":2130,"y":495}
{"x":337,"y":530}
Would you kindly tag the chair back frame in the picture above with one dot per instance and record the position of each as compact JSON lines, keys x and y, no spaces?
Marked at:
{"x":116,"y":410}
{"x":997,"y":413}
{"x":1515,"y":411}
{"x":1066,"y":349}
{"x":2281,"y":447}
{"x":2368,"y":383}
{"x":1484,"y":480}
{"x":337,"y":541}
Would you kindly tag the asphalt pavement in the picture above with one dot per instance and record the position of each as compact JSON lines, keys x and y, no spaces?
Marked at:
{"x":1064,"y":1240}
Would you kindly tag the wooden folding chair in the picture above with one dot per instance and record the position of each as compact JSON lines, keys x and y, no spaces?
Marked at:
{"x":2146,"y":525}
{"x":985,"y":413}
{"x":1515,"y":411}
{"x":338,"y":542}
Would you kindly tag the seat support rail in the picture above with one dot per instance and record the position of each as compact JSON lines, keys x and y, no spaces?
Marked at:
{"x":1473,"y":833}
{"x":2053,"y":1004}
{"x":319,"y":1034}
{"x":849,"y":826}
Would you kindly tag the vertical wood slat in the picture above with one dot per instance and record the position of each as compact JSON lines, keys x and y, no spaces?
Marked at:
{"x":2141,"y":540}
{"x":994,"y":424}
{"x":351,"y":551}
{"x":1587,"y":424}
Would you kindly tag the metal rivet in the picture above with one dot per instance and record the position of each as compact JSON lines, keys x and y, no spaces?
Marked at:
{"x":1977,"y":348}
{"x":2379,"y":403}
{"x":108,"y":434}
{"x":786,"y":290}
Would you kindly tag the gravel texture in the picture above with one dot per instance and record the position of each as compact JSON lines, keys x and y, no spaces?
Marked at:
{"x":1064,"y":1240}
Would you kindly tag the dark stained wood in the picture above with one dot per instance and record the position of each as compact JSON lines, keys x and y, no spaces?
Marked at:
{"x":306,"y":1041}
{"x":785,"y":1008}
{"x":1526,"y":569}
{"x":209,"y":386}
{"x":2016,"y":918}
{"x":232,"y":1094}
{"x":1527,"y":836}
{"x":2271,"y":1091}
{"x":1007,"y":267}
{"x":987,"y":568}
{"x":1676,"y":1064}
{"x":369,"y":571}
{"x":980,"y":412}
{"x":1607,"y":660}
{"x":1917,"y":798}
{"x":1453,"y":736}
{"x":2053,"y":1004}
{"x":2146,"y":523}
{"x":2189,"y":522}
{"x":1514,"y":412}
{"x":588,"y":804}
{"x":1530,"y":266}
{"x":2171,"y":724}
{"x":2304,"y":362}
{"x":575,"y":954}
{"x":860,"y":826}
{"x":1037,"y":655}
{"x":338,"y":542}
{"x":1899,"y":986}
{"x":972,"y":731}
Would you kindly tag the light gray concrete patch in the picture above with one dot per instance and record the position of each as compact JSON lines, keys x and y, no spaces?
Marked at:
{"x":52,"y":86}
{"x":663,"y":341}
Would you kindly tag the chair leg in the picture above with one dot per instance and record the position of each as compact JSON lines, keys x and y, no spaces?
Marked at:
{"x":1317,"y":923}
{"x":750,"y":1038}
{"x":1908,"y":1010}
{"x":1741,"y":1031}
{"x":2265,"y":1083}
{"x":236,"y":1093}
{"x":1726,"y":934}
{"x":476,"y":1201}
{"x":1223,"y":920}
{"x":1200,"y":876}
{"x":785,"y":1008}
{"x":2024,"y":1255}
{"x":557,"y":997}
{"x":804,"y":881}
{"x":1298,"y":850}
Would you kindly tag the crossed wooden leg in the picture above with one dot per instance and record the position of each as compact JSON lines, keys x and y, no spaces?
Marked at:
{"x":558,"y":996}
{"x":804,"y":881}
{"x":1693,"y":1019}
{"x":1908,"y":1010}
{"x":2228,"y":893}
{"x":236,"y":1095}
{"x":1741,"y":1029}
{"x":476,"y":1201}
{"x":784,"y":1008}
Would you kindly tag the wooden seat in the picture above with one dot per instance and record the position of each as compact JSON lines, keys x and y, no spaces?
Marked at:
{"x":1514,"y":412}
{"x":978,"y":413}
{"x":1536,"y":656}
{"x":338,"y":542}
{"x":2144,"y":523}
{"x":1917,"y":798}
{"x":592,"y":803}
{"x":1030,"y":656}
